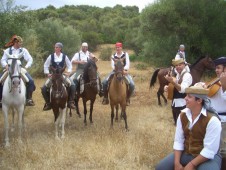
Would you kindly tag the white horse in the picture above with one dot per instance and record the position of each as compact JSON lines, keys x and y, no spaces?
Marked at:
{"x":14,"y":95}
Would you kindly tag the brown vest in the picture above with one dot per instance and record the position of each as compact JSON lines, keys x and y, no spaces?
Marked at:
{"x":193,"y":143}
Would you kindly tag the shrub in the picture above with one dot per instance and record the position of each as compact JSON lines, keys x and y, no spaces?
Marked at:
{"x":105,"y":54}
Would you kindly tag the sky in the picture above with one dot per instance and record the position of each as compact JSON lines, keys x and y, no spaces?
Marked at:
{"x":36,"y":4}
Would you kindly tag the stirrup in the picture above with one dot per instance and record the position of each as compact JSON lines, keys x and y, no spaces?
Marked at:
{"x":30,"y":102}
{"x":105,"y":101}
{"x":47,"y":107}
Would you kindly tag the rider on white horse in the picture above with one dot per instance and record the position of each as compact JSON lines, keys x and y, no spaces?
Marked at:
{"x":14,"y":48}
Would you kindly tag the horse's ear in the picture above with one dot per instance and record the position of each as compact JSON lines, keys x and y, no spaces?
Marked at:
{"x":63,"y":69}
{"x":52,"y":69}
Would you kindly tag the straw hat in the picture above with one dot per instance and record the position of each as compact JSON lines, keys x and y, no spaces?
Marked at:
{"x":197,"y":89}
{"x":177,"y":61}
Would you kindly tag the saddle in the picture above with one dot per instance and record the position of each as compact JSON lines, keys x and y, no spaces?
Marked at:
{"x":124,"y":77}
{"x":82,"y":84}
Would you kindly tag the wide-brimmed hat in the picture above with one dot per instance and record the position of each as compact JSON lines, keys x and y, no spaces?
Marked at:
{"x":196,"y":89}
{"x":220,"y":60}
{"x":177,"y":61}
{"x":13,"y":39}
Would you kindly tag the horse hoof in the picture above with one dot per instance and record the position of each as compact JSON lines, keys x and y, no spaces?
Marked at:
{"x":57,"y":138}
{"x":7,"y":144}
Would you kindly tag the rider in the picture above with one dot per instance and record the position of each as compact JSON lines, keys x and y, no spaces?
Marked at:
{"x":80,"y":58}
{"x":58,"y":59}
{"x":118,"y":55}
{"x":181,"y":54}
{"x":15,"y":47}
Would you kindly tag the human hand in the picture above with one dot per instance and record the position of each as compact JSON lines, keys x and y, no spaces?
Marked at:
{"x":189,"y":166}
{"x":223,"y":80}
{"x":166,"y":88}
{"x":82,"y":62}
{"x":178,"y":167}
{"x":125,"y":72}
{"x":6,"y":67}
{"x":49,"y":75}
{"x":67,"y":74}
{"x":169,"y":78}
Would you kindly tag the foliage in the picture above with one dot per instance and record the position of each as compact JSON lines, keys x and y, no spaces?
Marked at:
{"x":105,"y":53}
{"x":141,"y":66}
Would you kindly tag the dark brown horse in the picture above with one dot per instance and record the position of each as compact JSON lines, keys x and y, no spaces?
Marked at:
{"x":90,"y":84}
{"x":59,"y":95}
{"x":118,"y":92}
{"x":197,"y":69}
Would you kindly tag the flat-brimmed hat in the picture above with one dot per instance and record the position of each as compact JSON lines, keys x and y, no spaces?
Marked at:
{"x":177,"y":61}
{"x":220,"y":60}
{"x":13,"y":39}
{"x":197,"y":89}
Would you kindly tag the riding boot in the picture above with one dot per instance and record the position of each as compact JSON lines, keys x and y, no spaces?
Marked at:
{"x":29,"y":101}
{"x":71,"y":97}
{"x":46,"y":96}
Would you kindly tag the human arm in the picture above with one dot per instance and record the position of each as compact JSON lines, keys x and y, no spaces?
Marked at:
{"x":69,"y":66}
{"x":27,"y":58}
{"x":47,"y":65}
{"x":223,"y":81}
{"x":126,"y":67}
{"x":4,"y":59}
{"x":112,"y":62}
{"x":76,"y":60}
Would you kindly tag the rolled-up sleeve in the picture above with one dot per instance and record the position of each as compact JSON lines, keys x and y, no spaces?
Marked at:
{"x":186,"y":82}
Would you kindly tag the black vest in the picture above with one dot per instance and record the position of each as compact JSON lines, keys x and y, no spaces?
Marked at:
{"x":56,"y":64}
{"x":123,"y":56}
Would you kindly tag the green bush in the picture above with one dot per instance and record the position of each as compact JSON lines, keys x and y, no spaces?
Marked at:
{"x":105,"y":54}
{"x":141,"y":66}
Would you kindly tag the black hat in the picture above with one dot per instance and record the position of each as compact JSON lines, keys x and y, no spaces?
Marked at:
{"x":221,"y":60}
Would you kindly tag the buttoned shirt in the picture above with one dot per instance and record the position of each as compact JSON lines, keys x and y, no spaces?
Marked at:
{"x":126,"y":67}
{"x":81,"y":56}
{"x":57,"y":59}
{"x":26,"y":55}
{"x":211,"y":140}
{"x":186,"y":82}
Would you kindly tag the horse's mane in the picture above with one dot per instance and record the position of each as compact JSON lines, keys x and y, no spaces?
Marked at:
{"x":200,"y":58}
{"x":87,"y":65}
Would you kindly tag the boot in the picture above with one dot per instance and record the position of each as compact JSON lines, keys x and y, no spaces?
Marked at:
{"x":71,"y":97}
{"x":101,"y":92}
{"x":46,"y":96}
{"x":105,"y":99}
{"x":29,"y":101}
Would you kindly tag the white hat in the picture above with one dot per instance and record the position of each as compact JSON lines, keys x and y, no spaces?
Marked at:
{"x":84,"y":44}
{"x":182,"y":46}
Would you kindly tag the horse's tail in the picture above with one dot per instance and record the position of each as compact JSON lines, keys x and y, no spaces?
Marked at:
{"x":154,"y":77}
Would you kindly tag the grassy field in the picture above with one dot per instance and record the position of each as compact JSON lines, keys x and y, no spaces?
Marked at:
{"x":94,"y":146}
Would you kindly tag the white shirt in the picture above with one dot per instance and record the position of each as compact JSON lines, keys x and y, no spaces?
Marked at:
{"x":178,"y":55}
{"x":26,"y":55}
{"x":186,"y":82}
{"x":83,"y":56}
{"x":218,"y":101}
{"x":57,"y":59}
{"x":126,"y":67}
{"x":211,"y":140}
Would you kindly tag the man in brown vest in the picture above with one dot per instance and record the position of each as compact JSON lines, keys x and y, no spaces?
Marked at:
{"x":183,"y":80}
{"x":197,"y":136}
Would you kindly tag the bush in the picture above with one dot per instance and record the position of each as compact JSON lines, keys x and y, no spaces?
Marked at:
{"x":105,"y":54}
{"x":141,"y":66}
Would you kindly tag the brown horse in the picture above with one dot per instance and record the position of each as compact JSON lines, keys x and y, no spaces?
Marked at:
{"x":90,"y":82}
{"x":197,"y":69}
{"x":59,"y":95}
{"x":118,"y":92}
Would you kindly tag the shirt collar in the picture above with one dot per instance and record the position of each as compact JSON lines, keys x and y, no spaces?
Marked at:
{"x":187,"y":111}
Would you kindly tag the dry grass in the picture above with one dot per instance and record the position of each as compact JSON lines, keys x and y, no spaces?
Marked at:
{"x":94,"y":146}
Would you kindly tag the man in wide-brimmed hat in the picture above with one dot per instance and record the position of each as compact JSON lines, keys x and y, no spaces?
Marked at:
{"x":197,"y":136}
{"x":14,"y":46}
{"x":183,"y":80}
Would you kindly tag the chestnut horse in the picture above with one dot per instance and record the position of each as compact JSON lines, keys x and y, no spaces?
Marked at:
{"x":59,"y":95}
{"x":89,"y":81}
{"x":197,"y":69}
{"x":118,"y":92}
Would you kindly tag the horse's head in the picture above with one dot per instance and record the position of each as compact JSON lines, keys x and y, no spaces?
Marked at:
{"x":119,"y":67}
{"x":57,"y":77}
{"x":90,"y":73}
{"x":208,"y":63}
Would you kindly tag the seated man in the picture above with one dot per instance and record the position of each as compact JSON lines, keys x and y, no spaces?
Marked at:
{"x":80,"y":59}
{"x":15,"y":47}
{"x":119,"y":55}
{"x":197,"y":137}
{"x":58,"y":59}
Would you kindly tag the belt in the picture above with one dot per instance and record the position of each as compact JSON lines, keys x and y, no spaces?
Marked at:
{"x":222,"y":114}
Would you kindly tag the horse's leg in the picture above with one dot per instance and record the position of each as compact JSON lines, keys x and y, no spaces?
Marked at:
{"x":116,"y":107}
{"x":85,"y":111}
{"x":112,"y":115}
{"x":124,"y":115}
{"x":77,"y":108}
{"x":91,"y":111}
{"x":57,"y":127}
{"x":13,"y":120}
{"x":20,"y":121}
{"x":159,"y":100}
{"x":6,"y":124}
{"x":164,"y":98}
{"x":63,"y":117}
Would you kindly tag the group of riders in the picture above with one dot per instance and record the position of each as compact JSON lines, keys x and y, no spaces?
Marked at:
{"x":71,"y":81}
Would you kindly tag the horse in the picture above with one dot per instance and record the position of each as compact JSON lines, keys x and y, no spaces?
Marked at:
{"x":14,"y":95}
{"x":89,"y":81}
{"x":197,"y":69}
{"x":118,"y":92}
{"x":58,"y":100}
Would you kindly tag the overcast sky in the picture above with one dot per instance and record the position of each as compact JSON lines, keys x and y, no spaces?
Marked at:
{"x":35,"y":4}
